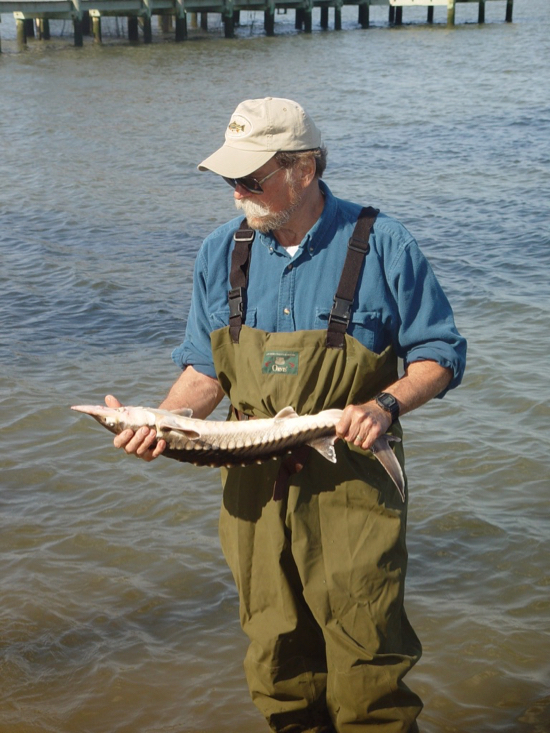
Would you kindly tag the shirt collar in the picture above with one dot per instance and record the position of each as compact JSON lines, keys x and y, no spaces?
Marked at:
{"x":311,"y":241}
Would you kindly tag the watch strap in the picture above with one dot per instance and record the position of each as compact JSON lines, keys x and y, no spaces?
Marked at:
{"x":387,"y":402}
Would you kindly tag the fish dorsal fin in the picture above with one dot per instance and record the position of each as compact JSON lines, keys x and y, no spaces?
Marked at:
{"x":286,"y":413}
{"x":183,"y":412}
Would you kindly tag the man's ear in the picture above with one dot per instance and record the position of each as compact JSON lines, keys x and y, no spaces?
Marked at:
{"x":307,"y":170}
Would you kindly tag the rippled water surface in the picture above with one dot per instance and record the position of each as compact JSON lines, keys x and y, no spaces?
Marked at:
{"x":118,"y":613}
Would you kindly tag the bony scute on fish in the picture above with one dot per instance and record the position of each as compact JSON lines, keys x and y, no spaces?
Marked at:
{"x":230,"y":443}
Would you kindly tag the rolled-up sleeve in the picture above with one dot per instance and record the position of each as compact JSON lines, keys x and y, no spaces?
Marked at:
{"x":196,"y":349}
{"x":426,"y":329}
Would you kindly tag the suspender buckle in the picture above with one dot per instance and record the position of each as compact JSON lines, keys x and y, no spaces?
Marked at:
{"x":244,"y":235}
{"x":358,"y":245}
{"x":236,"y":302}
{"x":341,"y":311}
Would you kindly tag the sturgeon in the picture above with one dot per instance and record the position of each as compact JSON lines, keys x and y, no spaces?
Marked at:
{"x":239,"y":443}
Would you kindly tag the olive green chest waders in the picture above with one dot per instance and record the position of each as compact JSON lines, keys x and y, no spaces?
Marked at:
{"x":320,"y":572}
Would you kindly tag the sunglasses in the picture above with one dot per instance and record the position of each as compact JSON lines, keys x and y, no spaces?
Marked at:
{"x":252,"y":185}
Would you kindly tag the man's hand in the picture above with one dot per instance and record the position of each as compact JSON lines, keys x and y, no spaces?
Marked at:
{"x":137,"y":444}
{"x":363,"y":424}
{"x":193,"y":390}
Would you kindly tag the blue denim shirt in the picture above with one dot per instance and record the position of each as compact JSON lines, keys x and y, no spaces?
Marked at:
{"x":398,"y":300}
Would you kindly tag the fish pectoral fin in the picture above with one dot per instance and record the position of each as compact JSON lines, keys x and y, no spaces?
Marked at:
{"x":382,"y":451}
{"x":167,"y":424}
{"x":285,"y":413}
{"x":184,"y":412}
{"x":325,"y":446}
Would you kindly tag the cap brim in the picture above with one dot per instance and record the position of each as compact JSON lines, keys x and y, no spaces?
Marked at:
{"x":233,"y":163}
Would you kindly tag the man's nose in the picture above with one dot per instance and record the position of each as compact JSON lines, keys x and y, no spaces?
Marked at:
{"x":241,"y":192}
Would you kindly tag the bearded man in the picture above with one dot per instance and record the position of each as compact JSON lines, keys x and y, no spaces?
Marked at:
{"x":309,"y":301}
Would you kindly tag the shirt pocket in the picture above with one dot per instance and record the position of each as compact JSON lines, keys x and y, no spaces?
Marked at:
{"x":365,"y":326}
{"x":220,"y":318}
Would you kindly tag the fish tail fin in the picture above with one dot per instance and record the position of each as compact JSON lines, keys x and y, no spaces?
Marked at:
{"x":382,"y":451}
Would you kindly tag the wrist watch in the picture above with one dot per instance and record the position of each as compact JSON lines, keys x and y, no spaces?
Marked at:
{"x":388,"y":403}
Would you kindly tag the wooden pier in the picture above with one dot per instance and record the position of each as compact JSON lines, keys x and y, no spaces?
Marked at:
{"x":33,"y":16}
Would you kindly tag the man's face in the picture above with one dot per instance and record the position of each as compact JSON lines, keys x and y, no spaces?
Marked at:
{"x":280,"y":198}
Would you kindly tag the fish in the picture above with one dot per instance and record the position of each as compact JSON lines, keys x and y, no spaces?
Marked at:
{"x":239,"y":443}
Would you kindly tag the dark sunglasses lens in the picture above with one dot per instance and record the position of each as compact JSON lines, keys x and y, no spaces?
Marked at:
{"x":251,"y":184}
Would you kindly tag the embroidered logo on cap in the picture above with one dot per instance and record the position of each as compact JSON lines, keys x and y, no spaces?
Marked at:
{"x":280,"y":362}
{"x":238,"y":127}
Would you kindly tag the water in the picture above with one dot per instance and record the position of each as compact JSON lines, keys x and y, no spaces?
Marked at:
{"x":118,"y":613}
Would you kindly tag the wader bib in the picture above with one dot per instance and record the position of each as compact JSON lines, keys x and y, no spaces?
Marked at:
{"x":321,"y":572}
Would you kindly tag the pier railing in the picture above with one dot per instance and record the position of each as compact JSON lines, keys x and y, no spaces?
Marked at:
{"x":86,"y":14}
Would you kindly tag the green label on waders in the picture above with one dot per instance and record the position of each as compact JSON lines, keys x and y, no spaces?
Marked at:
{"x":280,"y":362}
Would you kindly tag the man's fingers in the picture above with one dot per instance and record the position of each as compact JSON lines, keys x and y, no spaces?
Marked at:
{"x":111,"y":401}
{"x":159,"y":449}
{"x":122,"y":439}
{"x":362,"y":424}
{"x":350,"y":423}
{"x":131,"y":441}
{"x":147,"y":440}
{"x":142,"y":444}
{"x":148,"y":453}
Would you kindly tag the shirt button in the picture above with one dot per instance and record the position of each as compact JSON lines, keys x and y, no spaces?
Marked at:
{"x":286,"y":311}
{"x":290,"y":267}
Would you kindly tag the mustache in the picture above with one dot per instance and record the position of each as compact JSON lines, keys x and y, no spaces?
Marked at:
{"x":252,"y":208}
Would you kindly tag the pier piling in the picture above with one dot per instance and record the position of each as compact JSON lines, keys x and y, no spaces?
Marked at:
{"x":181,"y":28}
{"x":269,"y":22}
{"x":509,"y":10}
{"x":78,"y":34}
{"x":43,"y":29}
{"x":481,"y":12}
{"x":133,"y":32}
{"x":147,"y":29}
{"x":21,"y":32}
{"x":96,"y":28}
{"x":451,"y":12}
{"x":229,"y":26}
{"x":363,"y":15}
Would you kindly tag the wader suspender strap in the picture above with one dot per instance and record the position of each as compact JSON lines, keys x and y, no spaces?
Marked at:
{"x":358,"y":247}
{"x":238,"y":278}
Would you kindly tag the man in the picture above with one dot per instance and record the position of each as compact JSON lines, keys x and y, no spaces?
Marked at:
{"x":308,"y":302}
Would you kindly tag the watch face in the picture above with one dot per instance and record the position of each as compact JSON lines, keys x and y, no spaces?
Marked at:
{"x":387,"y":400}
{"x":390,"y":404}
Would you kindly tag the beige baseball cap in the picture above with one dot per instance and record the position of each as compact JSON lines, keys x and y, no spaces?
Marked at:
{"x":258,"y":129}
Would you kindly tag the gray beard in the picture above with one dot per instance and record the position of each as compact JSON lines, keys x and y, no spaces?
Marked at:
{"x":259,"y":217}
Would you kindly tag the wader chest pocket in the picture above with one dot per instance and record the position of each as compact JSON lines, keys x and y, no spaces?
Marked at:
{"x":220,"y":318}
{"x":365,"y":326}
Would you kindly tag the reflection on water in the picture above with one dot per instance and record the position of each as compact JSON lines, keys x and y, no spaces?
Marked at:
{"x":118,"y":613}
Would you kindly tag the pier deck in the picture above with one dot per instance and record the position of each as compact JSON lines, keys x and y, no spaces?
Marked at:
{"x":85,"y":13}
